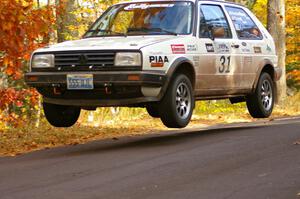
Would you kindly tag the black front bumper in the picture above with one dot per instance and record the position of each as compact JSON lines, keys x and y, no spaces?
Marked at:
{"x":42,"y":79}
{"x":110,"y":88}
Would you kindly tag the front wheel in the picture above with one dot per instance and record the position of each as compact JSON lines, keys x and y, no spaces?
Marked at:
{"x":260,"y":104}
{"x":61,"y":116}
{"x":153,"y":110}
{"x":177,"y":105}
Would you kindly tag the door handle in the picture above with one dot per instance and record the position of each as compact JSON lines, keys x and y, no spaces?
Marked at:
{"x":235,"y":45}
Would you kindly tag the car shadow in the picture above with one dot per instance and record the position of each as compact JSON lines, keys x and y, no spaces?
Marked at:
{"x":165,"y":138}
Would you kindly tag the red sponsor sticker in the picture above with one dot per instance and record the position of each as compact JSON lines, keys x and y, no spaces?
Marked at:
{"x":178,"y":48}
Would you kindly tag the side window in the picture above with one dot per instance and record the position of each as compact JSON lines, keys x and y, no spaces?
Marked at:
{"x":244,"y":25}
{"x":213,"y":21}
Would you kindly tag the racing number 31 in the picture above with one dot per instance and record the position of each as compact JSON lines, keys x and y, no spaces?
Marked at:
{"x":225,"y":64}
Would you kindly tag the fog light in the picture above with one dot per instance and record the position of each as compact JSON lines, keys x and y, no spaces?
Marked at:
{"x":158,"y":64}
{"x":134,"y":77}
{"x":33,"y":78}
{"x":56,"y":91}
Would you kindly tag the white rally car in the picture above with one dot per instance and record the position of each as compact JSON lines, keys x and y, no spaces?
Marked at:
{"x":162,"y":55}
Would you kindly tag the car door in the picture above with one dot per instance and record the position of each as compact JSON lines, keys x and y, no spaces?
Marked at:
{"x":217,"y":69}
{"x":251,"y":45}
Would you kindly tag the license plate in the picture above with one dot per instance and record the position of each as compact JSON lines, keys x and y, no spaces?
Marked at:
{"x":80,"y":82}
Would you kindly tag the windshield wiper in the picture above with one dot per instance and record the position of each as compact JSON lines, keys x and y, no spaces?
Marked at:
{"x":151,"y":30}
{"x":105,"y":31}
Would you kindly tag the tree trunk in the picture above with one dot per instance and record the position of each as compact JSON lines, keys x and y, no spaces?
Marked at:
{"x":276,"y":26}
{"x":3,"y":86}
{"x":3,"y":78}
{"x":65,"y":17}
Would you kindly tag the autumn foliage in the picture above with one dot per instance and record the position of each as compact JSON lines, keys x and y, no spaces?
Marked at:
{"x":292,"y":37}
{"x":24,"y":27}
{"x":293,"y":42}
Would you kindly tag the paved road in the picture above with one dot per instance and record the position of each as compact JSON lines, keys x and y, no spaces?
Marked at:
{"x":240,"y":161}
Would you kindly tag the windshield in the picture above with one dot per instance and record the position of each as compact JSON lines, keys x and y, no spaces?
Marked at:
{"x":151,"y":18}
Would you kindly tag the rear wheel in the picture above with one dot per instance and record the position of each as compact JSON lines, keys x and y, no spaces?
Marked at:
{"x":260,"y":104}
{"x":61,"y":116}
{"x":177,"y":106}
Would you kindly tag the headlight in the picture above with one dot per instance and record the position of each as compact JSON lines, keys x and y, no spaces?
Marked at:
{"x":128,"y":59}
{"x":42,"y":61}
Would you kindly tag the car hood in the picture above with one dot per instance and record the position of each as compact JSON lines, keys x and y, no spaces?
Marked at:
{"x":109,"y":43}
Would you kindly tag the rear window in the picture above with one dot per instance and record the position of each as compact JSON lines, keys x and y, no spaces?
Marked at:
{"x":244,"y":25}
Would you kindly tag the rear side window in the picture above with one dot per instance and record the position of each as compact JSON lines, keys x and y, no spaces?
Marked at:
{"x":244,"y":25}
{"x":213,"y":18}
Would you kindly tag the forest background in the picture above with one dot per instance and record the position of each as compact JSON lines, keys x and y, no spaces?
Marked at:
{"x":29,"y":24}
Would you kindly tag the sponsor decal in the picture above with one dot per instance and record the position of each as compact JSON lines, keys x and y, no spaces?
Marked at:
{"x":269,"y":49}
{"x":246,"y":50}
{"x":248,"y":59}
{"x":210,"y":48}
{"x":257,"y":49}
{"x":238,"y":15}
{"x":156,"y":53}
{"x":146,"y":6}
{"x":158,"y":61}
{"x":192,"y":47}
{"x":196,"y":60}
{"x":178,"y":48}
{"x":223,"y":48}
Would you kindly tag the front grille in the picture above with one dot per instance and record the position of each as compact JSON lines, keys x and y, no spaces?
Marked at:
{"x":75,"y":59}
{"x":86,"y":61}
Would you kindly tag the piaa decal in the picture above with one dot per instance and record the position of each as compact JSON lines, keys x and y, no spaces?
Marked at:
{"x":158,"y":59}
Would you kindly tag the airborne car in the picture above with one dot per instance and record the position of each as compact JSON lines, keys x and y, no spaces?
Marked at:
{"x":161,"y":55}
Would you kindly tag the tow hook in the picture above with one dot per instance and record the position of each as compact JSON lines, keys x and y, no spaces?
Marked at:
{"x":56,"y":89}
{"x":107,"y":88}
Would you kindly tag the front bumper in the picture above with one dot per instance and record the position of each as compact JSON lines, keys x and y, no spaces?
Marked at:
{"x":110,"y":88}
{"x":151,"y":78}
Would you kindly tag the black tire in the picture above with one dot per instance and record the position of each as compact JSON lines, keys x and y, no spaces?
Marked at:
{"x":176,"y":107}
{"x":61,"y":116}
{"x":153,"y":110}
{"x":261,"y":103}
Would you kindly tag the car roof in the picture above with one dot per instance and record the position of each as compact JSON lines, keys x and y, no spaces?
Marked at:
{"x":204,"y":1}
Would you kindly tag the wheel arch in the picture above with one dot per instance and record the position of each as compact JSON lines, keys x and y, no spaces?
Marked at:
{"x":180,"y":65}
{"x":268,"y":67}
{"x":265,"y":66}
